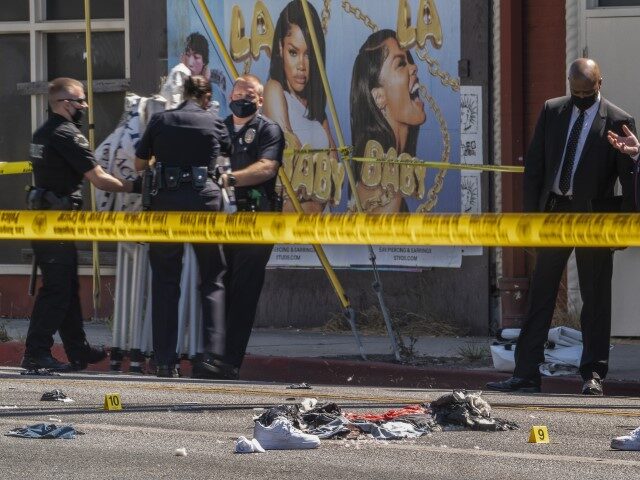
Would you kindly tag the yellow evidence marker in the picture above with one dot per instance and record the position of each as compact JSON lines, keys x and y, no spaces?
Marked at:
{"x":112,"y":401}
{"x":539,"y":434}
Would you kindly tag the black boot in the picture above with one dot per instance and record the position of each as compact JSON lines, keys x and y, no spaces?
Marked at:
{"x":167,"y":371}
{"x":46,"y":361}
{"x":88,"y":356}
{"x":212,"y":368}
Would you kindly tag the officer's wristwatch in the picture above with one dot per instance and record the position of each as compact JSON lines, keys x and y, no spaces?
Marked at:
{"x":231,"y":180}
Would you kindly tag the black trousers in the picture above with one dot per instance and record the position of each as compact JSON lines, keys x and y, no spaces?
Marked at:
{"x":57,"y":305}
{"x":244,"y":279}
{"x":595,"y":270}
{"x":166,"y":269}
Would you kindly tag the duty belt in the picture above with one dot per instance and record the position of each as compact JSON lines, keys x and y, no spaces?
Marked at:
{"x":172,"y":177}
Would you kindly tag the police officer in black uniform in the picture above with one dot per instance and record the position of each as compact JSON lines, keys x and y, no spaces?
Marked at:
{"x":61,"y":160}
{"x":185,"y":142}
{"x":258,"y":145}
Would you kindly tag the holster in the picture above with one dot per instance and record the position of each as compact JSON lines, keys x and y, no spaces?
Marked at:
{"x":257,"y":201}
{"x":42,"y":199}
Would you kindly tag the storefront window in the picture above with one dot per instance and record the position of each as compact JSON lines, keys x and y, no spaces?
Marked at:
{"x":14,"y":11}
{"x":618,"y":3}
{"x":65,"y":57}
{"x":74,"y":9}
{"x":15,"y":134}
{"x":66,"y":51}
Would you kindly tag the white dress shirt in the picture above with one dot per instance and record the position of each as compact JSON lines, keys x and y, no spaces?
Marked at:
{"x":589,"y":116}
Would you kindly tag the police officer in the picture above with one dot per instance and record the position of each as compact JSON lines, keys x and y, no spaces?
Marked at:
{"x":185,"y":142}
{"x":61,"y":159}
{"x":258,"y":145}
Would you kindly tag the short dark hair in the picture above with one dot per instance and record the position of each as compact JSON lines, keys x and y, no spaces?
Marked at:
{"x":293,"y":14}
{"x":367,"y":121}
{"x":63,"y":84}
{"x":196,"y":87}
{"x":197,"y":43}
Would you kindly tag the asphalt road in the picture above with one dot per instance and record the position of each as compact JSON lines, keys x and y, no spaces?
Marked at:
{"x":206,"y":418}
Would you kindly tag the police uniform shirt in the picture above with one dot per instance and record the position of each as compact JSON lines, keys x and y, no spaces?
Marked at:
{"x":259,"y":138}
{"x":60,"y":155}
{"x":184,"y":137}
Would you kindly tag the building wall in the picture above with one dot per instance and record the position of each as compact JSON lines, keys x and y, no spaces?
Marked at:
{"x":15,"y":303}
{"x":305,"y":297}
{"x":544,"y":57}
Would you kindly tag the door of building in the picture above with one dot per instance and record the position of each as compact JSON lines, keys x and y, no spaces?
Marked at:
{"x":612,"y":37}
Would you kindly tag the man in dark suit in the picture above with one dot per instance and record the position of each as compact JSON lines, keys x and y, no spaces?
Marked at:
{"x":571,"y":167}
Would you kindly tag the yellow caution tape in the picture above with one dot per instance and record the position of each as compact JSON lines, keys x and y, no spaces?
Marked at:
{"x":294,"y":151}
{"x":540,"y":230}
{"x":444,"y":166}
{"x":10,"y":168}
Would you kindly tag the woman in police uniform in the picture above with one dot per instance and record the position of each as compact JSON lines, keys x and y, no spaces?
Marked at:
{"x":185,"y":143}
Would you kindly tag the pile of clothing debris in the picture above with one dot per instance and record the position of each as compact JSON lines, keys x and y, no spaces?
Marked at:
{"x":455,"y":411}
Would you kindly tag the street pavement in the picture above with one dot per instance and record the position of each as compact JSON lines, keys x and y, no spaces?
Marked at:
{"x":141,"y":444}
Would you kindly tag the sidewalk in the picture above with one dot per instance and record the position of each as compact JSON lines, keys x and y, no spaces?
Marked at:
{"x":315,"y":357}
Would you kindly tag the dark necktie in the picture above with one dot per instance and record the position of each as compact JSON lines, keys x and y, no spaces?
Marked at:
{"x":570,"y":155}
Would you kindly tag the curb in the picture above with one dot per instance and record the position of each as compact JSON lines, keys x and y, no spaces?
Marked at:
{"x":325,"y":371}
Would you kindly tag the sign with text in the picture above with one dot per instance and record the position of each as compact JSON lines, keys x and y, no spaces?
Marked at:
{"x":392,"y":69}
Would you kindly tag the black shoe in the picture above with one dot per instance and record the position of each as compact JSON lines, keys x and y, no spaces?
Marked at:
{"x":515,"y":384}
{"x":215,"y":369}
{"x":89,"y":356}
{"x":167,"y":371}
{"x":47,"y":362}
{"x":593,"y":387}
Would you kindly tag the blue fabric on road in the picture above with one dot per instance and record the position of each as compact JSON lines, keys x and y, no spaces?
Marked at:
{"x":43,"y":430}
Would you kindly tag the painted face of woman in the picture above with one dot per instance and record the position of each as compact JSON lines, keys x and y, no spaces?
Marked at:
{"x":400,"y":98}
{"x":295,"y":59}
{"x":194,"y":62}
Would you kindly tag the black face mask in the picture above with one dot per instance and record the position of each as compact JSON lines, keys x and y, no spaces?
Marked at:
{"x":583,"y":103}
{"x":243,"y":108}
{"x":77,"y":117}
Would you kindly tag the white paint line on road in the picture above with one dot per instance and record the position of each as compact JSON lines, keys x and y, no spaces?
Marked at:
{"x":514,"y":455}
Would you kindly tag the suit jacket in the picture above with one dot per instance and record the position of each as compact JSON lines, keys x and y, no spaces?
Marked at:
{"x":599,"y":166}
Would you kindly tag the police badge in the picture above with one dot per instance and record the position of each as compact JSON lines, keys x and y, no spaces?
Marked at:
{"x":250,"y":136}
{"x":81,"y":140}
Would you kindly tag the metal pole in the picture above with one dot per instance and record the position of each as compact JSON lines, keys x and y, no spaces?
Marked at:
{"x":348,"y":311}
{"x":377,"y":283}
{"x":92,"y":146}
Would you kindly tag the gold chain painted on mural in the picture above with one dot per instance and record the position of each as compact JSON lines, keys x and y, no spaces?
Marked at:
{"x":434,"y":69}
{"x":326,"y":16}
{"x":438,"y":183}
{"x":359,"y":14}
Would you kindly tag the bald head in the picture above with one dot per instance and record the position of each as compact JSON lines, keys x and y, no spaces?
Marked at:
{"x":585,"y":69}
{"x":584,"y":82}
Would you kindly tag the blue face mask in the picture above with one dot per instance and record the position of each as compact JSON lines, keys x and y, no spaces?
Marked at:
{"x":243,"y":108}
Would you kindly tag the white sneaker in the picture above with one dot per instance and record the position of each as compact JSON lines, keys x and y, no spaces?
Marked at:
{"x":281,"y":435}
{"x":243,"y":445}
{"x":256,"y":446}
{"x":627,"y":442}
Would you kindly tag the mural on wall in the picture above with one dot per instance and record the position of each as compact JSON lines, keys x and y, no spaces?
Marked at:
{"x":391,"y":67}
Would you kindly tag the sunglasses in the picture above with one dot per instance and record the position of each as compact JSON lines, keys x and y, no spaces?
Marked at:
{"x":81,"y":101}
